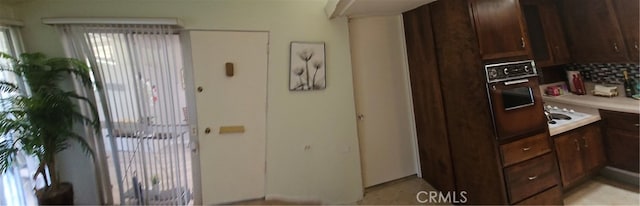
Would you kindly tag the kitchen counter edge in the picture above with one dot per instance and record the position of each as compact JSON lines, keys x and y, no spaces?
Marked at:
{"x":619,"y":103}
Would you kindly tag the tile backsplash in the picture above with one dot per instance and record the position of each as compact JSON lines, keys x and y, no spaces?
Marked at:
{"x":610,"y":73}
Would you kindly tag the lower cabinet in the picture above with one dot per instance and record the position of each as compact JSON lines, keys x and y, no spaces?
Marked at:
{"x":580,"y":153}
{"x":531,"y":172}
{"x":529,"y":178}
{"x":622,"y":139}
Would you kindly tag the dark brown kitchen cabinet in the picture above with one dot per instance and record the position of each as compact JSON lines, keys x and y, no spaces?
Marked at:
{"x":580,"y":153}
{"x":545,"y":32}
{"x":593,"y":31}
{"x":593,"y":154}
{"x":531,"y":177}
{"x":621,"y":139}
{"x":628,"y":17}
{"x":500,"y":28}
{"x":457,"y":143}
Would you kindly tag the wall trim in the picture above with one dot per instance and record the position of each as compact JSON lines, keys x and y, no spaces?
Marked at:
{"x":84,"y":20}
{"x":11,"y":22}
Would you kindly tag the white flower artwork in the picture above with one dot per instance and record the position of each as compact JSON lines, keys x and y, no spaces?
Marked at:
{"x":307,"y":69}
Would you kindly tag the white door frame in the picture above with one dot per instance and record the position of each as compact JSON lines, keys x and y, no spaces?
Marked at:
{"x":190,"y":94}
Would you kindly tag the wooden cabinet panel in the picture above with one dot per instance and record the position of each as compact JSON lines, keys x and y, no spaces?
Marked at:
{"x":530,"y":177}
{"x":622,"y":139}
{"x":545,"y":32}
{"x":551,"y":196}
{"x":433,"y":145}
{"x":622,"y":149}
{"x":628,"y":17}
{"x":500,"y":29}
{"x":580,"y":153}
{"x":620,"y":120}
{"x":593,"y":31}
{"x":593,"y":149}
{"x":568,"y":151}
{"x":525,"y":149}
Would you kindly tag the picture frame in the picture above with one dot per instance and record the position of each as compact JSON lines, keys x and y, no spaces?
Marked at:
{"x":307,"y":68}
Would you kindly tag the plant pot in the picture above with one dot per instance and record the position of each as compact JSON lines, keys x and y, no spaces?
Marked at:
{"x":62,"y":195}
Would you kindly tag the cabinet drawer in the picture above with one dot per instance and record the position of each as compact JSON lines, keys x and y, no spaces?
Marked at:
{"x":551,"y":196}
{"x":531,"y":177}
{"x":524,"y":149}
{"x":626,"y":121}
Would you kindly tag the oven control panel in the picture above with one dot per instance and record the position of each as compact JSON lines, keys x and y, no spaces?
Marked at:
{"x":510,"y":70}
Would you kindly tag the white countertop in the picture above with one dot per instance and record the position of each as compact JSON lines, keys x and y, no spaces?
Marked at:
{"x":619,"y":103}
{"x":575,"y":124}
{"x":588,"y":104}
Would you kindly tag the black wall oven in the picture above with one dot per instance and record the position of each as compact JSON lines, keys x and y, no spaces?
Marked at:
{"x":516,"y":102}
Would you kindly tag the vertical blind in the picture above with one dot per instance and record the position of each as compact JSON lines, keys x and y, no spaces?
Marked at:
{"x":16,"y":185}
{"x":137,"y":70}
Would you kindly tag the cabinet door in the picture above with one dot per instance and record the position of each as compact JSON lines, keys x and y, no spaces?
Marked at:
{"x":593,"y":31}
{"x":545,"y":32}
{"x":621,"y":139}
{"x":622,"y":149}
{"x":555,"y":33}
{"x":628,"y":17}
{"x":568,"y":150}
{"x":499,"y":28}
{"x":592,"y":148}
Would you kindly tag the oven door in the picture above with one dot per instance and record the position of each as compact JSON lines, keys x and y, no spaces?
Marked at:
{"x":517,"y":107}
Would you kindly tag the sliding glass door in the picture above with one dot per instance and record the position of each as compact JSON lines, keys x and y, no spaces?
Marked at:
{"x":144,"y":110}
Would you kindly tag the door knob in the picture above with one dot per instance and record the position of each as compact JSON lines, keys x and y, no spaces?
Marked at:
{"x":360,"y":116}
{"x":200,"y":89}
{"x":207,"y":130}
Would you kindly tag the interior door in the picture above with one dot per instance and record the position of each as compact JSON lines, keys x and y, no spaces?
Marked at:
{"x":231,"y":113}
{"x":382,"y":99}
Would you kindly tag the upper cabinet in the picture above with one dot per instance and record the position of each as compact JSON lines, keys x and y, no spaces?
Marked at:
{"x":545,"y":32}
{"x":628,"y":17}
{"x":500,"y":28}
{"x":594,"y":30}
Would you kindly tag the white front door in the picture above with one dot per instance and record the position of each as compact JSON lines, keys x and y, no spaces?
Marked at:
{"x":232,"y":165}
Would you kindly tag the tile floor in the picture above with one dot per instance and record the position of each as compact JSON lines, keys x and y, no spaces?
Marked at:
{"x":601,"y":191}
{"x":598,"y":191}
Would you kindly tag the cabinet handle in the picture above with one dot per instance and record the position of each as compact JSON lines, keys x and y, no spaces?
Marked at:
{"x":585,"y":142}
{"x":531,"y":178}
{"x":635,"y":45}
{"x":522,"y":43}
{"x":637,"y":125}
{"x":577,"y":144}
{"x":615,"y":47}
{"x":524,"y":149}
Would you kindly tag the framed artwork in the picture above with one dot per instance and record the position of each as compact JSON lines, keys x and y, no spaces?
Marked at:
{"x":307,"y":69}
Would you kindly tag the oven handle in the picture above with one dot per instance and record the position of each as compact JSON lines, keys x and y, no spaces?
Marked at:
{"x":516,"y":82}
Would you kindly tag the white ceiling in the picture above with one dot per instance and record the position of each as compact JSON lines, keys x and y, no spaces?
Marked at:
{"x":359,"y":8}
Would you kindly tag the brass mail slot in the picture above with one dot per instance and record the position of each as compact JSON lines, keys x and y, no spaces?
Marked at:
{"x":231,"y":129}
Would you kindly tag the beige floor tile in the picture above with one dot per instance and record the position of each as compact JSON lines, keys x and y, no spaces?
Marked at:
{"x":601,"y":191}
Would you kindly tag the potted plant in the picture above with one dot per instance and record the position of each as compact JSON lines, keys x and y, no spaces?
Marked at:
{"x":41,"y":123}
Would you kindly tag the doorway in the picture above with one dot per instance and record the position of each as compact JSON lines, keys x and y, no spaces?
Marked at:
{"x":383,"y":99}
{"x":143,"y":113}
